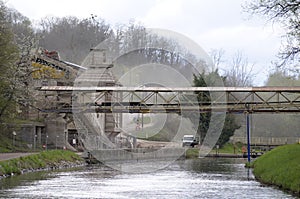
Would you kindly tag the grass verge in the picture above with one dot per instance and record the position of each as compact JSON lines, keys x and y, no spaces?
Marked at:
{"x":280,"y":167}
{"x":230,"y":148}
{"x":192,"y":153}
{"x":43,"y":160}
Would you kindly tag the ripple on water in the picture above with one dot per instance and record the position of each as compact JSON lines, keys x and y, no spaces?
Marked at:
{"x":188,"y":179}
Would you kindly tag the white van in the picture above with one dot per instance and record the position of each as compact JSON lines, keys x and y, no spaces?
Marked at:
{"x":189,"y":140}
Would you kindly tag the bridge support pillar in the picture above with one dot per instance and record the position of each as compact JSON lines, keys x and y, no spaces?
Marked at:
{"x":248,"y":137}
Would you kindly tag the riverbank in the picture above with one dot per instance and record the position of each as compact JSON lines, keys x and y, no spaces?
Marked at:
{"x":229,"y":150}
{"x":194,"y":153}
{"x":193,"y":178}
{"x":46,"y":160}
{"x":280,"y":167}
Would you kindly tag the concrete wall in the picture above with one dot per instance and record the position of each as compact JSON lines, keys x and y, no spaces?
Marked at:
{"x":267,"y":140}
{"x":111,"y":155}
{"x":56,"y":131}
{"x":30,"y":133}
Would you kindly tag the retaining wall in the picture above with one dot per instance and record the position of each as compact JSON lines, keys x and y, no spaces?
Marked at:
{"x":110,"y":155}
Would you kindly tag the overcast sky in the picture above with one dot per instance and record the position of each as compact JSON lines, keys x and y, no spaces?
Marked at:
{"x":213,"y":24}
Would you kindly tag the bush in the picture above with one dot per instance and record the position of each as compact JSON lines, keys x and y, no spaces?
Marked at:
{"x":280,"y":167}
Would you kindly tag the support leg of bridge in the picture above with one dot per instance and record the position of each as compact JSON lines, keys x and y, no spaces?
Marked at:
{"x":248,"y":137}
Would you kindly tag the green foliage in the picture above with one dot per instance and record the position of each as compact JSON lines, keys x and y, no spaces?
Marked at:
{"x":280,"y":167}
{"x":8,"y":56}
{"x":228,"y":130}
{"x":230,"y":148}
{"x":16,"y":42}
{"x":204,"y":99}
{"x":278,"y":125}
{"x":162,"y":136}
{"x":9,"y":167}
{"x":280,"y":78}
{"x":7,"y":145}
{"x":192,"y":153}
{"x":36,"y":161}
{"x":227,"y":148}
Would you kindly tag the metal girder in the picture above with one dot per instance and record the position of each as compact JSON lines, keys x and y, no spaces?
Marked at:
{"x":179,"y":99}
{"x":173,"y":89}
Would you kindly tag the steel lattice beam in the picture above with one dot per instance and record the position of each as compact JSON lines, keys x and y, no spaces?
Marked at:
{"x":177,"y":100}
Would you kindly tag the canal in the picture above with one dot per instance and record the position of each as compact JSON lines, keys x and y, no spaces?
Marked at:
{"x":197,"y":178}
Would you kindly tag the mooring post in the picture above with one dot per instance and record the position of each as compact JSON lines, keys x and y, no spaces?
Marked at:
{"x":248,"y":137}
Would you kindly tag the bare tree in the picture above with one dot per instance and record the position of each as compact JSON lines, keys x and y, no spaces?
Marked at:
{"x":217,"y":56}
{"x":71,"y":36}
{"x":240,"y":71}
{"x":286,"y":12}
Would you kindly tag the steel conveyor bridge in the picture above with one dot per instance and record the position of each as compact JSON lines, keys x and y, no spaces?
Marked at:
{"x":177,"y":100}
{"x":246,"y":100}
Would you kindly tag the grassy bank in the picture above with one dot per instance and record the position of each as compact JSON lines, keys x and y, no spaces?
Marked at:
{"x":280,"y":167}
{"x":228,"y":148}
{"x":44,"y":160}
{"x":192,"y":153}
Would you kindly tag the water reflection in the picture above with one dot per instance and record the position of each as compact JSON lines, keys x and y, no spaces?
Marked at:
{"x":201,"y":178}
{"x":206,"y":165}
{"x":8,"y":183}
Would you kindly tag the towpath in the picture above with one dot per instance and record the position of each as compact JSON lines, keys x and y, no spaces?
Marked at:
{"x":7,"y":156}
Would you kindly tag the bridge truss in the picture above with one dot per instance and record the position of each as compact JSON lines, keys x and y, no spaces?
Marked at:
{"x":245,"y":100}
{"x":177,"y":100}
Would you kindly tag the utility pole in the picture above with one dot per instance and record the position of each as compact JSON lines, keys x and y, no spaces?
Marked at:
{"x":248,"y":137}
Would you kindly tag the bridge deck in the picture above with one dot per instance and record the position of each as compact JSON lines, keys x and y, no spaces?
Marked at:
{"x":174,"y":89}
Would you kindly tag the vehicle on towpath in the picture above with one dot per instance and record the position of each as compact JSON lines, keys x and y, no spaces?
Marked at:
{"x":190,"y":141}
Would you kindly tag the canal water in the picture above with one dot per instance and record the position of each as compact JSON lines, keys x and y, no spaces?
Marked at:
{"x":199,"y":178}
